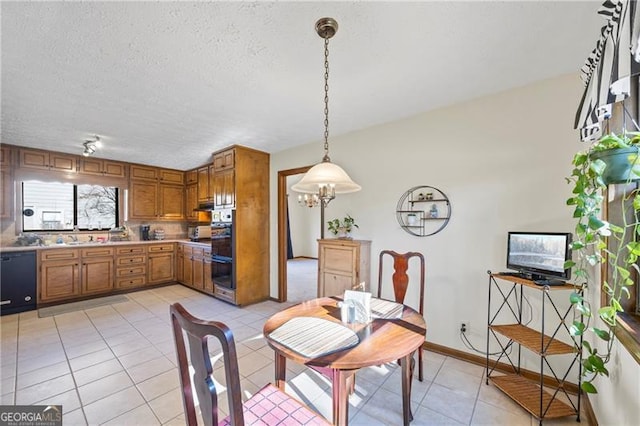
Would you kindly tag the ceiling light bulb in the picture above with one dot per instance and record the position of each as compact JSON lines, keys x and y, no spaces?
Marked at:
{"x":98,"y":142}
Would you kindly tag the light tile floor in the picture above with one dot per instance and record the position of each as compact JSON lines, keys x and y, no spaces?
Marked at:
{"x":115,"y":365}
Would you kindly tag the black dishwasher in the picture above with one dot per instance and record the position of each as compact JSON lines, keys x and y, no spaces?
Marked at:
{"x":17,"y":282}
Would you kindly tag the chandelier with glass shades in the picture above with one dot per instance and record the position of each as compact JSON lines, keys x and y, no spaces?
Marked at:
{"x":326,"y":179}
{"x":90,"y":146}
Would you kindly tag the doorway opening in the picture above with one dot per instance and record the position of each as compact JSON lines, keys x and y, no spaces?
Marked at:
{"x":283,"y":230}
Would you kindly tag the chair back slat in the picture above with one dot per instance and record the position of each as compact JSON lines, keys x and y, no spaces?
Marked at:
{"x":197,"y":332}
{"x":400,"y":278}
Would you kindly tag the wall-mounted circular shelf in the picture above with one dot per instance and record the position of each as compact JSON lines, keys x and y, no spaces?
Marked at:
{"x":423,"y":210}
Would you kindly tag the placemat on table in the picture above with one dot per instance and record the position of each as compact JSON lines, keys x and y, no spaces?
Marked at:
{"x":314,"y":337}
{"x":385,"y":309}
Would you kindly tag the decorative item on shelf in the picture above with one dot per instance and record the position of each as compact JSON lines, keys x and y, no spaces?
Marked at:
{"x":420,"y":219}
{"x":594,"y":239}
{"x":326,"y":179}
{"x":159,"y":234}
{"x":342,"y":228}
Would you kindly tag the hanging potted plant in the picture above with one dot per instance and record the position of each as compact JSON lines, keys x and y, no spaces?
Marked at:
{"x":342,"y":228}
{"x":611,"y":243}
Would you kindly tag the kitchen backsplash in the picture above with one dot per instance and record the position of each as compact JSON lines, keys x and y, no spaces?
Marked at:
{"x":172,"y":230}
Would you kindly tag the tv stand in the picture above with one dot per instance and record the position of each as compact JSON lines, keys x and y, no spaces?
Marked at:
{"x":547,"y":397}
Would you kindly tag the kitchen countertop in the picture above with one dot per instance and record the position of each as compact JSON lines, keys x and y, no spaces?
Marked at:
{"x":5,"y":248}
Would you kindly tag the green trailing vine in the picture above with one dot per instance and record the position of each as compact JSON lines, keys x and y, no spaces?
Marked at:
{"x":599,"y":242}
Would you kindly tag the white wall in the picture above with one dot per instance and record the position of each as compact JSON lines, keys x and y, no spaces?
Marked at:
{"x":500,"y":159}
{"x":304,"y":223}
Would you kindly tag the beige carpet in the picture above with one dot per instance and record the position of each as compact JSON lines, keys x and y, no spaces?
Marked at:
{"x":302,"y":279}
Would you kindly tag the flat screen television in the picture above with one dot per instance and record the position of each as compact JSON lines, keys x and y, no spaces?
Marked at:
{"x":539,"y":255}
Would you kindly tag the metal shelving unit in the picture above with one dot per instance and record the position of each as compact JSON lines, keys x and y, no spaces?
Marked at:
{"x":423,"y":210}
{"x":541,"y":399}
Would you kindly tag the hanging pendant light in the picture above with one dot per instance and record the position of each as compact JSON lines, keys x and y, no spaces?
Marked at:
{"x":326,"y":179}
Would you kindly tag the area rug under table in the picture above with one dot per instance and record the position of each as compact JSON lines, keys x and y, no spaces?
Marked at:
{"x":80,"y":306}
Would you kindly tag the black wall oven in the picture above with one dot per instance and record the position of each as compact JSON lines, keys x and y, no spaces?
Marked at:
{"x":223,"y":251}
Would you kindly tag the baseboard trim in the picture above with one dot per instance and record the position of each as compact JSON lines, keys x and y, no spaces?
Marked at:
{"x":506,"y":368}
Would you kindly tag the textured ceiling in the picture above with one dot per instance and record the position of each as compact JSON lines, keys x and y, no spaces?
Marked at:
{"x":167,"y":83}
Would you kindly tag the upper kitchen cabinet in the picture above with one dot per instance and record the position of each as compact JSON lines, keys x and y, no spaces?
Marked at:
{"x":191,"y":176}
{"x":224,"y":160}
{"x":204,"y":195}
{"x":152,"y":198}
{"x":144,"y":172}
{"x":45,"y":160}
{"x":175,"y":177}
{"x":6,"y":182}
{"x":95,"y":166}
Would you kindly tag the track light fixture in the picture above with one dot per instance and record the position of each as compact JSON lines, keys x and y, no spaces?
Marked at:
{"x":90,"y":146}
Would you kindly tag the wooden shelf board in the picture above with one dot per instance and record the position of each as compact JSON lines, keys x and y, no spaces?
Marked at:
{"x":532,"y":339}
{"x":527,"y":394}
{"x":529,"y":283}
{"x":435,"y":218}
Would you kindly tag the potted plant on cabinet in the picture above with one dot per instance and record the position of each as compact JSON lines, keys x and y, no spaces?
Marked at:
{"x":611,"y":243}
{"x":342,"y":228}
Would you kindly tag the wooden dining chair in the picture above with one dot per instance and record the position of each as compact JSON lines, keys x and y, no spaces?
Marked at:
{"x":268,"y":406}
{"x":400,"y":281}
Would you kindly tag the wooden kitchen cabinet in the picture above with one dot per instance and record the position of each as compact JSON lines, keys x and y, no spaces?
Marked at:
{"x":224,"y":191}
{"x":247,"y":174}
{"x":144,"y":172}
{"x":59,"y":274}
{"x":191,"y":202}
{"x":198,"y":268}
{"x":191,"y":176}
{"x":6,"y":182}
{"x":96,"y":166}
{"x":45,"y":160}
{"x":97,"y":270}
{"x":206,"y":270}
{"x":161,"y":263}
{"x":224,"y":160}
{"x":131,"y":267}
{"x":204,"y":194}
{"x":171,"y":176}
{"x":171,"y":202}
{"x":343,"y":265}
{"x":143,"y":199}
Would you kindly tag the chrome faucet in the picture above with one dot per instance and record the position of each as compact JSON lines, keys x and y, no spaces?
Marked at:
{"x":73,"y":238}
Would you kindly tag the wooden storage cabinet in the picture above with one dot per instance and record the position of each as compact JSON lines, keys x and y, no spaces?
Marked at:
{"x":6,"y":182}
{"x":97,"y":270}
{"x":203,"y":185}
{"x":131,"y":267}
{"x":144,"y":172}
{"x":175,"y":177}
{"x":171,"y":201}
{"x":45,"y":160}
{"x":161,"y":263}
{"x":224,"y":160}
{"x":194,"y":266}
{"x":224,"y":189}
{"x":143,"y":200}
{"x":59,"y":274}
{"x":95,"y":166}
{"x":343,"y":265}
{"x":542,"y":400}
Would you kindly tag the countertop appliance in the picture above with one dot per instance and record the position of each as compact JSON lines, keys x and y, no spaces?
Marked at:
{"x":201,"y":232}
{"x":18,"y":282}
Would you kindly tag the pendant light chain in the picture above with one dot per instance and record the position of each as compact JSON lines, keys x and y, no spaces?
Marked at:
{"x":326,"y":100}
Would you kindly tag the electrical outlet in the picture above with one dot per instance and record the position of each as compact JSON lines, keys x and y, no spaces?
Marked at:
{"x":464,"y":326}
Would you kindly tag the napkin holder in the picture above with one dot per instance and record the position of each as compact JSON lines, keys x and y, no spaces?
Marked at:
{"x":356,"y":307}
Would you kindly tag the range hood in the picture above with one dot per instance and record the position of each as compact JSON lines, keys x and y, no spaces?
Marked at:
{"x":205,"y":207}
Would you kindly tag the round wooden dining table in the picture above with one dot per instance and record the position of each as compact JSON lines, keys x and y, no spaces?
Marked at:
{"x":381,"y":341}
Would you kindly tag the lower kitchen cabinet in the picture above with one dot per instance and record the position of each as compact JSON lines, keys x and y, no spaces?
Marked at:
{"x":97,"y":270}
{"x":194,"y":266}
{"x":131,"y":266}
{"x":161,"y":263}
{"x":59,"y":278}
